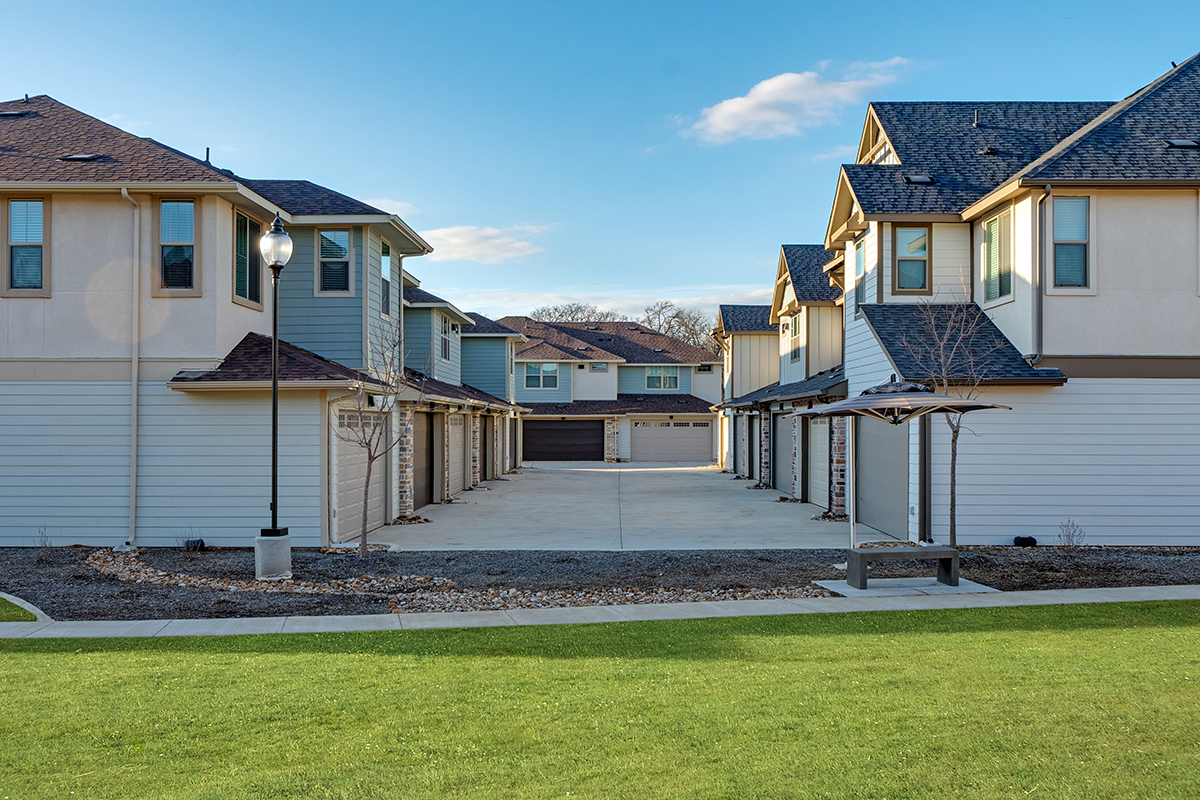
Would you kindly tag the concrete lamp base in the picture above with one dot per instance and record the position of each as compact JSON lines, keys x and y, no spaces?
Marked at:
{"x":273,"y":555}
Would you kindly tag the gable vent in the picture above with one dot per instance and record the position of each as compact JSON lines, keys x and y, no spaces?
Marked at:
{"x":82,"y":157}
{"x":1180,"y":144}
{"x":919,"y":180}
{"x":13,"y":113}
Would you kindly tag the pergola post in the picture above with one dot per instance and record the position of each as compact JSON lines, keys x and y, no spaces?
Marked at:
{"x":851,"y":479}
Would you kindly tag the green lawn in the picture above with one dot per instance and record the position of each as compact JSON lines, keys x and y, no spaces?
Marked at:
{"x":1055,"y":702}
{"x":10,"y":612}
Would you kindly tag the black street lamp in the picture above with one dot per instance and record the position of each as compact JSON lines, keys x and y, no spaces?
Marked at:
{"x":273,"y":547}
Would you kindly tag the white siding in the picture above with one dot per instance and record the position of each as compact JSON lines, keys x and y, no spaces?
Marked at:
{"x":824,"y":338}
{"x":205,"y":466}
{"x":951,"y":265}
{"x":589,"y":385}
{"x":623,"y":439}
{"x":755,"y":362}
{"x":792,"y":371}
{"x":1121,"y":457}
{"x":866,"y":363}
{"x":707,"y":385}
{"x":64,"y":462}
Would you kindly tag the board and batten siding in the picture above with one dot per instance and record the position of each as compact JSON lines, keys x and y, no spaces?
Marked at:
{"x":64,"y":462}
{"x":753,"y":363}
{"x":484,"y":365}
{"x":1121,"y":457}
{"x":560,"y":395}
{"x":331,"y":325}
{"x":825,"y":330}
{"x":204,"y":466}
{"x":792,"y":371}
{"x":632,"y":380}
{"x":951,"y":256}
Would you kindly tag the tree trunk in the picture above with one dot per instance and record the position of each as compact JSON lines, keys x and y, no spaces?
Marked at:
{"x":362,"y":546}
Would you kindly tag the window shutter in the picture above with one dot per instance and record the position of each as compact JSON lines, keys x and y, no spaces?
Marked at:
{"x":241,"y":256}
{"x":254,"y":266}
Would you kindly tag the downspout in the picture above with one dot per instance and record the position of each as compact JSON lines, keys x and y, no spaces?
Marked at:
{"x":1038,"y":277}
{"x":135,"y":352}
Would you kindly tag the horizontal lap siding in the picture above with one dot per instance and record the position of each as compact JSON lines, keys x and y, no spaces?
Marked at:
{"x":418,"y":333}
{"x":330,"y":326}
{"x":205,"y":467}
{"x":866,"y":363}
{"x":560,"y":395}
{"x":484,"y":365}
{"x":1120,"y":457}
{"x":632,"y":380}
{"x":64,"y":462}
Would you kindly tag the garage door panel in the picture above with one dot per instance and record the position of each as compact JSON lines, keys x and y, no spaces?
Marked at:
{"x":739,"y":445}
{"x":783,"y":457}
{"x":882,"y":461}
{"x":818,"y":461}
{"x":671,"y":440}
{"x":563,"y":440}
{"x":351,"y":480}
{"x":458,"y":430}
{"x":422,"y":459}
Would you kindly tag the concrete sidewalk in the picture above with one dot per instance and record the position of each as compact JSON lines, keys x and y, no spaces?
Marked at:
{"x":44,"y":627}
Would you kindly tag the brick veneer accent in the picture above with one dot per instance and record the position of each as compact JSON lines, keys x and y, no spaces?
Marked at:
{"x":837,"y":465}
{"x":797,"y":458}
{"x":445,"y":457}
{"x":476,"y":440}
{"x":612,"y":439}
{"x":403,"y":418}
{"x":764,"y":447}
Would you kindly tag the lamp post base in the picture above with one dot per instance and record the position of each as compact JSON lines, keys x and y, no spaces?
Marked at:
{"x":273,"y":555}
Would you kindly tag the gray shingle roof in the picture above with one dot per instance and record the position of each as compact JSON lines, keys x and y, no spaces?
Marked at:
{"x":31,"y":145}
{"x":625,"y":404}
{"x":306,"y":197}
{"x":830,"y":383}
{"x":414,"y":295}
{"x":906,"y":332}
{"x":489,"y":327}
{"x":939,"y":139}
{"x":1127,"y":141}
{"x":809,"y":281}
{"x":746,"y":319}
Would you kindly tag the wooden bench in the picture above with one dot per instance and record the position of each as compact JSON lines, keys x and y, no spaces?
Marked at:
{"x":858,"y":558}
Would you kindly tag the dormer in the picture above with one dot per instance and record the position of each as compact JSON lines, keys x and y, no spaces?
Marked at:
{"x":806,"y":308}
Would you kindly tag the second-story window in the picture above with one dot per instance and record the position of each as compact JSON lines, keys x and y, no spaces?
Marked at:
{"x":997,"y":267}
{"x":385,"y":285}
{"x":26,"y":246}
{"x":662,"y":377}
{"x":445,"y":338}
{"x":912,"y":260}
{"x":177,"y":244}
{"x":335,"y":261}
{"x":860,"y":275}
{"x":1071,"y":242}
{"x":796,"y":326}
{"x":247,"y":271}
{"x":541,"y":375}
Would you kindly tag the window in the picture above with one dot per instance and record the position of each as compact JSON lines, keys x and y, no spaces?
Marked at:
{"x":795,"y":326}
{"x":541,"y":376}
{"x":911,"y":273}
{"x":247,"y":269}
{"x":599,"y":367}
{"x":27,"y":234}
{"x":1071,"y":241}
{"x":385,"y":285}
{"x":177,"y":244}
{"x":666,"y":378}
{"x":445,"y":338}
{"x":334,"y":261}
{"x":704,"y":368}
{"x":997,"y":266}
{"x":860,"y":269}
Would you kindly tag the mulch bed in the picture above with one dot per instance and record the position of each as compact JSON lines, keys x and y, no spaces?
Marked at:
{"x":215,"y":583}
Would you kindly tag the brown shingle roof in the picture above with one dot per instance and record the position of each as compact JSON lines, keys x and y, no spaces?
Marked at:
{"x":602,"y":341}
{"x":625,"y":404}
{"x":31,"y":146}
{"x":439,"y":389}
{"x":250,"y":361}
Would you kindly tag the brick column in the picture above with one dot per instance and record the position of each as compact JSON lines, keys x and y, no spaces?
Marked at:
{"x":445,"y":457}
{"x":404,"y":458}
{"x":612,"y":439}
{"x":475,"y":442}
{"x":764,"y":447}
{"x":837,"y":465}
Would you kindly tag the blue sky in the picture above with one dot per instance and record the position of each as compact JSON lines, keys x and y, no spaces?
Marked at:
{"x":612,"y":152}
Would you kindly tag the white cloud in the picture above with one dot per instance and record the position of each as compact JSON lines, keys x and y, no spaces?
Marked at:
{"x":839,"y":152}
{"x":483,"y":245}
{"x":786,"y":104}
{"x":397,"y":207}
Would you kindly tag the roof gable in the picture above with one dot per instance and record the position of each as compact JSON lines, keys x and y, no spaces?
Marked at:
{"x":802,"y":266}
{"x":489,"y":327}
{"x":305,"y":198}
{"x":745,"y":319}
{"x":629,"y":342}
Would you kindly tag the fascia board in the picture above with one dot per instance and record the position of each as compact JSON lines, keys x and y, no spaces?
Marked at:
{"x":225,"y":386}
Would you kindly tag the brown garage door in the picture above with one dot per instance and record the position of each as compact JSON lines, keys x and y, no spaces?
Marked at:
{"x":422,"y":459}
{"x":563,"y":440}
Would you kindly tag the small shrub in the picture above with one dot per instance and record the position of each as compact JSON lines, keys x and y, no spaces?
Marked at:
{"x":44,"y":543}
{"x":1070,"y":534}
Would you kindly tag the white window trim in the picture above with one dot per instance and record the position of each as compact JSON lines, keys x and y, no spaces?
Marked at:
{"x":541,"y":376}
{"x":389,"y":279}
{"x":444,"y":348}
{"x":1093,"y":263}
{"x":1003,"y":299}
{"x":350,"y":259}
{"x":263,"y":281}
{"x":795,"y":328}
{"x":664,"y":377}
{"x":599,"y":367}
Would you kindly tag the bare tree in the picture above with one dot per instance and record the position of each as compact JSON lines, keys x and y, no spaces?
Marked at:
{"x":574,"y":312}
{"x":690,"y":325}
{"x":954,"y":350}
{"x":368,"y":419}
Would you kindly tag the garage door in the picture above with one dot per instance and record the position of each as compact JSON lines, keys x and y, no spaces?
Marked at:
{"x":458,"y":437}
{"x":739,"y":445}
{"x":563,"y":440}
{"x":783,"y":459}
{"x":489,"y":448}
{"x":422,"y":459}
{"x":352,"y":477}
{"x":671,"y":440}
{"x":512,"y":443}
{"x":753,"y":465}
{"x":818,"y":462}
{"x":882,"y":460}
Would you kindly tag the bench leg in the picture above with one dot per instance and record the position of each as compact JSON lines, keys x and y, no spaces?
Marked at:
{"x":856,"y":571}
{"x":948,"y":571}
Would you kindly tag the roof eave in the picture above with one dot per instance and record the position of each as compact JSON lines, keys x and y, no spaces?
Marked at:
{"x":226,"y":385}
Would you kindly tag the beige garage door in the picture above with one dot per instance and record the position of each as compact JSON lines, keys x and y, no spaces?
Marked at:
{"x":882,"y":460}
{"x":458,"y":436}
{"x":672,"y":440}
{"x":783,"y":455}
{"x":352,"y":477}
{"x":739,"y":445}
{"x":818,"y":462}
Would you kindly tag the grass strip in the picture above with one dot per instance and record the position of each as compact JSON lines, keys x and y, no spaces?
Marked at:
{"x":11,"y":612}
{"x":1059,"y":701}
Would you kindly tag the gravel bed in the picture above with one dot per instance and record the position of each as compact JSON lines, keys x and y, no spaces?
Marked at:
{"x":218,"y":582}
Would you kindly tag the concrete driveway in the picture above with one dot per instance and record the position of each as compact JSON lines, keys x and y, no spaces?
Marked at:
{"x":596,"y":506}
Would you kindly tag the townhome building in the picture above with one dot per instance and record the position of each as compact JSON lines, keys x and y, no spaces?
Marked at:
{"x":134,"y":321}
{"x":613,"y":391}
{"x":489,"y":364}
{"x":750,"y":361}
{"x":805,"y":351}
{"x":1056,"y":246}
